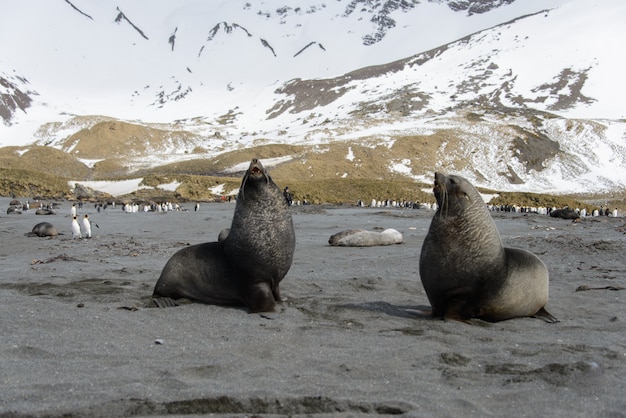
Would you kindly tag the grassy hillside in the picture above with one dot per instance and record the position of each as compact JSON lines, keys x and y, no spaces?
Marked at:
{"x":319,"y":174}
{"x":23,"y":183}
{"x":116,"y":139}
{"x":44,"y":160}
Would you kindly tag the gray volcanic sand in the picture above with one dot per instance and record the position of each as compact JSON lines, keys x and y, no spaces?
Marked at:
{"x":79,"y":337}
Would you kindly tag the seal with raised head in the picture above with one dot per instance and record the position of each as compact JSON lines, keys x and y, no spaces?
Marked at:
{"x":246,"y":267}
{"x":467,"y":272}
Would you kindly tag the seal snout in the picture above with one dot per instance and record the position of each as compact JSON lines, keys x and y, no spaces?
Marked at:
{"x":440,"y":179}
{"x":439,"y":189}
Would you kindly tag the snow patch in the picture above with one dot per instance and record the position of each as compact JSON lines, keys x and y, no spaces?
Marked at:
{"x":350,"y":156}
{"x":89,"y":163}
{"x":402,"y":167}
{"x":171,"y":187}
{"x":114,"y":188}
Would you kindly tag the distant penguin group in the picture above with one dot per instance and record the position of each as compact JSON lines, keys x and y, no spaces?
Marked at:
{"x":83,"y":229}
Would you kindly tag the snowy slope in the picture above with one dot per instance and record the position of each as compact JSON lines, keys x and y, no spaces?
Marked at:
{"x":310,"y":72}
{"x":81,"y":60}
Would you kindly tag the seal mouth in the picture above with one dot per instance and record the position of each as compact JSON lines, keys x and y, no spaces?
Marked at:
{"x":256,"y":171}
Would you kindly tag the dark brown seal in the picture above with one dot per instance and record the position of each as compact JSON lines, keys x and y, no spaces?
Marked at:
{"x":44,"y":229}
{"x":467,"y":272}
{"x":246,"y":267}
{"x":565,"y":213}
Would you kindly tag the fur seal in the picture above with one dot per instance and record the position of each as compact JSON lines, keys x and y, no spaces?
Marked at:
{"x":44,"y":229}
{"x":363,"y":238}
{"x":14,"y":210}
{"x":565,"y":213}
{"x":42,"y":211}
{"x":467,"y":272}
{"x":246,"y":267}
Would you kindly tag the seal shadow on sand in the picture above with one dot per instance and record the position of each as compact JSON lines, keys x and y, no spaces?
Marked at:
{"x":400,"y":311}
{"x":86,"y":290}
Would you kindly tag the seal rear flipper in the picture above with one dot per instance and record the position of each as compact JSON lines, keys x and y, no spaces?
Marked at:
{"x":546,"y":316}
{"x":462,"y":304}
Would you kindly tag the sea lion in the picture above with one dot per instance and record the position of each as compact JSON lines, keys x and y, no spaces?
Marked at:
{"x":248,"y":265}
{"x":467,"y":272}
{"x":44,"y":229}
{"x":363,"y":238}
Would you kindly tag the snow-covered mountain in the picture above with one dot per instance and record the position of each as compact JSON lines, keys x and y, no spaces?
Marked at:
{"x":530,"y":91}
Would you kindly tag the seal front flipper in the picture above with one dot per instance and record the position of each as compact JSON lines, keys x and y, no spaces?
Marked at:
{"x":259,"y":297}
{"x":164,"y":302}
{"x":460,"y":304}
{"x":276,"y":293}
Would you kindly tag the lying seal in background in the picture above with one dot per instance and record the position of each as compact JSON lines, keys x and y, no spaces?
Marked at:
{"x":246,"y":267}
{"x":14,"y":210}
{"x":43,"y":229}
{"x":363,"y":238}
{"x":464,"y":268}
{"x":42,"y":211}
{"x":565,"y":213}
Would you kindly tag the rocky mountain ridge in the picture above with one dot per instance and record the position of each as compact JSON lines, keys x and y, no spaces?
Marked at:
{"x":525,"y":99}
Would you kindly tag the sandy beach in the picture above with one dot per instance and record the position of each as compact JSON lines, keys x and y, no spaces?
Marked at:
{"x":80,"y":338}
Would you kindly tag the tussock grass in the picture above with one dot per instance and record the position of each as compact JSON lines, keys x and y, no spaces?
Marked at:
{"x":116,"y":139}
{"x":43,"y":160}
{"x":219,"y":164}
{"x":537,"y":199}
{"x":25,"y":183}
{"x":349,"y":191}
{"x":319,"y":174}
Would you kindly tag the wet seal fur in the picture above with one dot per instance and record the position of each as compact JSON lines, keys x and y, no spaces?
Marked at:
{"x":246,"y":266}
{"x":467,"y":272}
{"x":363,"y":238}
